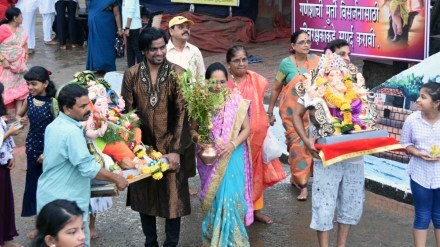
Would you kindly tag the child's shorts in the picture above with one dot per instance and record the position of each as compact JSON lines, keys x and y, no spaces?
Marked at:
{"x":339,"y":186}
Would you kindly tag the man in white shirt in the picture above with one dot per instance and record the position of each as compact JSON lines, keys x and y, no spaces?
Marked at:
{"x":132,"y":23}
{"x":29,"y":11}
{"x":180,"y":51}
{"x":47,"y":11}
{"x":187,"y":56}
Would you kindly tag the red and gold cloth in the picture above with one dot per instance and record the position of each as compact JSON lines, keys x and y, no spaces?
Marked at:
{"x":336,"y":152}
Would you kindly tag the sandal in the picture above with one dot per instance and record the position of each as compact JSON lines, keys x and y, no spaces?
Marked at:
{"x":253,"y":59}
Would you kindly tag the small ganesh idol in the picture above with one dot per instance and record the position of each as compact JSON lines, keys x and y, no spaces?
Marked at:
{"x":112,"y":133}
{"x":337,"y":105}
{"x":114,"y":136}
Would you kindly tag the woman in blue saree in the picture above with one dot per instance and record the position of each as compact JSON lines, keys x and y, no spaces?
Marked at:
{"x":227,"y":183}
{"x":104,"y":24}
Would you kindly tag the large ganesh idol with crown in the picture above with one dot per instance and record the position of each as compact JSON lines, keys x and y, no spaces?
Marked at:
{"x":337,"y":99}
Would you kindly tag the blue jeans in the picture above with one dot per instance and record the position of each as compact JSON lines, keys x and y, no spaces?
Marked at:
{"x":426,"y":206}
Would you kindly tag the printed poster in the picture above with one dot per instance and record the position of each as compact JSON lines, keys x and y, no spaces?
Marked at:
{"x":385,"y":29}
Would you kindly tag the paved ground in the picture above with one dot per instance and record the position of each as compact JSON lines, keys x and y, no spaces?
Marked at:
{"x":385,"y":222}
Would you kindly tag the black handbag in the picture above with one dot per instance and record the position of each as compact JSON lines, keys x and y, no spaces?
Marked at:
{"x":119,"y":46}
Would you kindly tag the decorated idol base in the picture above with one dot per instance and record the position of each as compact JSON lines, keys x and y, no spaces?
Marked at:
{"x":367,"y":134}
{"x":104,"y":190}
{"x":382,"y":176}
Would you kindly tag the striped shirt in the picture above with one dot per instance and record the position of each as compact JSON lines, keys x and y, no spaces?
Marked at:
{"x":420,"y":134}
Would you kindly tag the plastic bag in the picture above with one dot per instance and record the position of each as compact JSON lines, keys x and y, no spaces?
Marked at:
{"x":271,"y":148}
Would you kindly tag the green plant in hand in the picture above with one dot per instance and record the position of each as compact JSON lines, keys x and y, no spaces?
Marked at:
{"x":202,"y":103}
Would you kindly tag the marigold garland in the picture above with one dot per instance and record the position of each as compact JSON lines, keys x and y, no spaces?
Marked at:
{"x":341,"y":102}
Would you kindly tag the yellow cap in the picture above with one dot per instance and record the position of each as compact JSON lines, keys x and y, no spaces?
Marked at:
{"x":179,"y":20}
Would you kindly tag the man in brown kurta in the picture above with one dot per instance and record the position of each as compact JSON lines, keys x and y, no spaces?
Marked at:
{"x":151,"y":87}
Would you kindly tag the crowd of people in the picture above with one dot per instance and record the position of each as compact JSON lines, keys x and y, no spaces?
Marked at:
{"x":58,"y":179}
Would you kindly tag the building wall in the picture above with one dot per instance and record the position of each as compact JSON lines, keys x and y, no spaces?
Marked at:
{"x":268,"y":10}
{"x":391,"y":119}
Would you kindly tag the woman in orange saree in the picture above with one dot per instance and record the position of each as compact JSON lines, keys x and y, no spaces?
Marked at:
{"x":252,"y":86}
{"x":290,"y":73}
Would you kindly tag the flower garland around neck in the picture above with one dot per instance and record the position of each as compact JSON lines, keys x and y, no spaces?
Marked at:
{"x":341,"y":102}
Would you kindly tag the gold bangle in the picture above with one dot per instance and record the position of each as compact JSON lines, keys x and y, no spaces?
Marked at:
{"x":233,"y":144}
{"x":269,"y":114}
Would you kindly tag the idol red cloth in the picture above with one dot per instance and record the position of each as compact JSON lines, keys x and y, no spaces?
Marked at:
{"x":333,"y":153}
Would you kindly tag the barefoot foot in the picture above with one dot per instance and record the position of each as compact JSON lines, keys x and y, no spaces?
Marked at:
{"x":259,"y":216}
{"x":303,"y":195}
{"x":32,"y":234}
{"x":192,"y":191}
{"x":93,"y":233}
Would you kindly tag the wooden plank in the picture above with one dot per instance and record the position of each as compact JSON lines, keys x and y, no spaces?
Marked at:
{"x":138,"y":177}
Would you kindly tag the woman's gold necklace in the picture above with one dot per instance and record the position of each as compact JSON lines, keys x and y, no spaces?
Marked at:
{"x":236,"y":80}
{"x":306,"y":66}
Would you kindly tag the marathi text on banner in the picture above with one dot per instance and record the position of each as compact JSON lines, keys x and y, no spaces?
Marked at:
{"x":367,"y":26}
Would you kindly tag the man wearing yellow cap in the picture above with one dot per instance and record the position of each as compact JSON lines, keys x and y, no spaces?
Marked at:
{"x":180,"y":51}
{"x":187,"y":56}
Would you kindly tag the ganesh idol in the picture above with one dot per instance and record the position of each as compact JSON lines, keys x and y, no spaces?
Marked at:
{"x":337,"y":104}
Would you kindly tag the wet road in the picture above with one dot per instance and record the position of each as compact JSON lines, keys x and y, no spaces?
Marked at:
{"x":385,"y":222}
